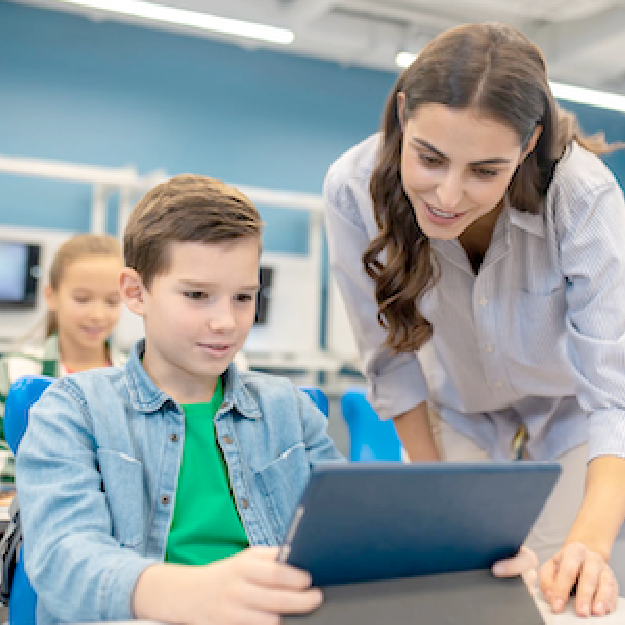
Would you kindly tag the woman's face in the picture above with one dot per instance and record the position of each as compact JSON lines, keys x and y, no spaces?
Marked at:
{"x":456,"y":167}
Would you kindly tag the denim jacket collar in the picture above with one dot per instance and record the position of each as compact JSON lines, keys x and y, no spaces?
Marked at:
{"x":146,"y":397}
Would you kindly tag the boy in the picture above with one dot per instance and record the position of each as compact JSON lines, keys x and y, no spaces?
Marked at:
{"x":128,"y":476}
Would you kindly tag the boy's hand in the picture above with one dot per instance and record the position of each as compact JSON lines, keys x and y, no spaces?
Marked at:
{"x":597,"y":587}
{"x":524,"y":564}
{"x":250,"y":587}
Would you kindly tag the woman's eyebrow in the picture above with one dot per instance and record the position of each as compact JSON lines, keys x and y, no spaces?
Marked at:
{"x":488,"y":161}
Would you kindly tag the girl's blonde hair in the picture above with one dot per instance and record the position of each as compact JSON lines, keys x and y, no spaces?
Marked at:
{"x":78,"y":247}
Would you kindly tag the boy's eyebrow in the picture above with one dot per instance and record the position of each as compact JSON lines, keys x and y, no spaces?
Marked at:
{"x":199,"y":284}
{"x":488,"y":161}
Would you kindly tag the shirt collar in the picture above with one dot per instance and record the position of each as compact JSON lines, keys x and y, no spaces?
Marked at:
{"x":146,"y":397}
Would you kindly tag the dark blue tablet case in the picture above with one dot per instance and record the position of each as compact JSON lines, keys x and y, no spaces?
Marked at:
{"x":359,"y":522}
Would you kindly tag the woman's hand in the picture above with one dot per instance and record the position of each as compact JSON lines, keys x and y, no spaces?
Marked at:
{"x":597,"y":587}
{"x":524,"y":564}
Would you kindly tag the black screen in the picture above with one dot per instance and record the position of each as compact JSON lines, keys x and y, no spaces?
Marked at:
{"x":264,"y":295}
{"x":19,"y":274}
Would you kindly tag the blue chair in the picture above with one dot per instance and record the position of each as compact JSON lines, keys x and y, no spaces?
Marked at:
{"x":369,"y":438}
{"x":23,"y":394}
{"x":318,"y":396}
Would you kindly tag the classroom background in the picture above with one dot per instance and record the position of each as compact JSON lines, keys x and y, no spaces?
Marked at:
{"x":95,"y":110}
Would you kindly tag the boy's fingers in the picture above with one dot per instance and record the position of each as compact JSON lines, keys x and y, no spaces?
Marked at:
{"x":266,"y":553}
{"x":268,"y":573}
{"x":523,"y":562}
{"x":283,"y":601}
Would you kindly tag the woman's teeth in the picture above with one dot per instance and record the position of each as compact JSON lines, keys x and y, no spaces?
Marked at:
{"x":442,"y":214}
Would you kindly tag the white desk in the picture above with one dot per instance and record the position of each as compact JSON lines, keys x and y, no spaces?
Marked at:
{"x":568,"y":617}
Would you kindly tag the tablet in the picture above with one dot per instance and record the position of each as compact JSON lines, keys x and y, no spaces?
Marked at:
{"x":360,"y":522}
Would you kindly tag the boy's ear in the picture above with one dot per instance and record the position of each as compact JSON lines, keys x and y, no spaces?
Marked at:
{"x":132,"y":290}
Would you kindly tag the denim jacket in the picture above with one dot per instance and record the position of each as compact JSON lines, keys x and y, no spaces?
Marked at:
{"x":98,"y":468}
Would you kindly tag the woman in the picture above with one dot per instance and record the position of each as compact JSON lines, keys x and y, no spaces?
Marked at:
{"x":481,"y":219}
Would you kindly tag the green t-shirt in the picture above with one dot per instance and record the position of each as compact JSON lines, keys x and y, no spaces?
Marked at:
{"x":206,"y":526}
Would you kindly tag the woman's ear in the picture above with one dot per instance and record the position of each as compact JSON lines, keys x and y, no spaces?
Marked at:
{"x":132,"y":291}
{"x":532,"y":142}
{"x":401,"y":103}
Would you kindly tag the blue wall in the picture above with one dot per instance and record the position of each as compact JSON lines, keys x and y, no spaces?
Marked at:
{"x":110,"y":94}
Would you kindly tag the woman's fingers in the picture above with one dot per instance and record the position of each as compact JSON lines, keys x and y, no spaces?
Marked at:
{"x":576,"y":566}
{"x":524,"y":562}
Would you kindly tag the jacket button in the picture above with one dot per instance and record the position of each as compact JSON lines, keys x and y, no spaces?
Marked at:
{"x":165,"y":499}
{"x":227,"y":439}
{"x":244,"y":503}
{"x":173,"y":437}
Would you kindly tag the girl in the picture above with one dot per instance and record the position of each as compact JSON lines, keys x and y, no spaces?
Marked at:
{"x":481,"y":219}
{"x":83,"y":306}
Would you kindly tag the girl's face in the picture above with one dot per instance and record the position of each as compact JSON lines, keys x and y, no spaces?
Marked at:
{"x":87,"y":303}
{"x":456,"y":167}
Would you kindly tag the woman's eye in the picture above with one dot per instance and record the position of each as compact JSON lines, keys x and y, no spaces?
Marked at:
{"x":486,"y":173}
{"x":194,"y":294}
{"x":430,"y":161}
{"x":244,"y":297}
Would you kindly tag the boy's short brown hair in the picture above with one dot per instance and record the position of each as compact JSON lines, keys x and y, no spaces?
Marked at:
{"x":186,"y":208}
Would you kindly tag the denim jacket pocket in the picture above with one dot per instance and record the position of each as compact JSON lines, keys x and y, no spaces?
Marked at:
{"x":281,"y":483}
{"x":122,"y":479}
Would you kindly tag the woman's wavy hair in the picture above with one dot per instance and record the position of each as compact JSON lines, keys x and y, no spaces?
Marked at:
{"x":496,"y":70}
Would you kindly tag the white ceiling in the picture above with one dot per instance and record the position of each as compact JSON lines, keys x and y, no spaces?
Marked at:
{"x":583,"y":40}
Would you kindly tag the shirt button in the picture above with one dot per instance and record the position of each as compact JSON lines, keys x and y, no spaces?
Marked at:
{"x":227,"y":439}
{"x":244,"y":503}
{"x":499,"y":384}
{"x":165,"y":499}
{"x":488,"y":348}
{"x":173,"y":437}
{"x":223,"y":406}
{"x":483,"y":301}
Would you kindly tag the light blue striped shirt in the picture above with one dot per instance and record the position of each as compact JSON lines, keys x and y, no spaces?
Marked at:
{"x":537,"y":336}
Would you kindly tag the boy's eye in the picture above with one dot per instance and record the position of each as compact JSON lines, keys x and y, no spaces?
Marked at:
{"x":195,"y":294}
{"x":244,"y":297}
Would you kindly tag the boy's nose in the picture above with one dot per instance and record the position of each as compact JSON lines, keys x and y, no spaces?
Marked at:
{"x":222,"y":317}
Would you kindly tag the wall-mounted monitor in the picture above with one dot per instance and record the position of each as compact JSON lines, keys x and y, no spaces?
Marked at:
{"x":19,"y":274}
{"x":264,"y":295}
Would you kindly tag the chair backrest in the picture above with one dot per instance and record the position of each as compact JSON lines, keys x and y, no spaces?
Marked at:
{"x":369,"y":437}
{"x":318,"y":396}
{"x":23,"y":394}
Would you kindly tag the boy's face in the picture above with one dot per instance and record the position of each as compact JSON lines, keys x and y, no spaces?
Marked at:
{"x":197,"y":315}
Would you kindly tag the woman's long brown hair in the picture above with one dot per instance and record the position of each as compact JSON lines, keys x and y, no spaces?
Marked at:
{"x":496,"y":70}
